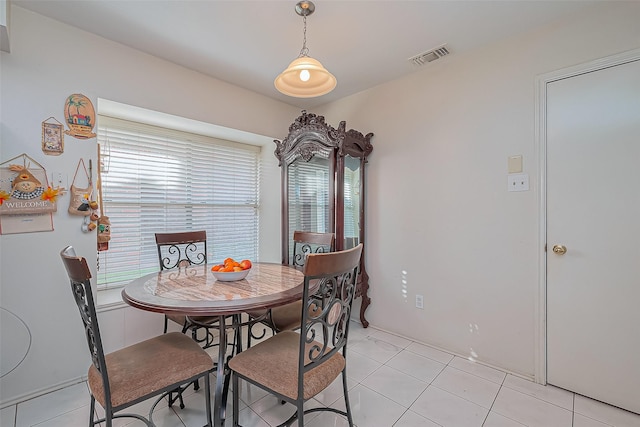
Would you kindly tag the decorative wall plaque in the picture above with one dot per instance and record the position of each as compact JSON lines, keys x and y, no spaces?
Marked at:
{"x":79,"y":116}
{"x":52,"y":137}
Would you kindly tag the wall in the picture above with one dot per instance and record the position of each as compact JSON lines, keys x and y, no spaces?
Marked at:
{"x":438,"y":213}
{"x":48,"y":62}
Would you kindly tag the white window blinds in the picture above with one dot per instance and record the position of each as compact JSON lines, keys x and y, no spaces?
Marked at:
{"x":162,"y":180}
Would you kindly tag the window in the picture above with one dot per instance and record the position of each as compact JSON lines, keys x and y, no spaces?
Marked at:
{"x":162,"y":180}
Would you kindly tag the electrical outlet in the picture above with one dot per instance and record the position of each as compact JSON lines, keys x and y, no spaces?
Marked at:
{"x":518,"y":182}
{"x":419,"y":301}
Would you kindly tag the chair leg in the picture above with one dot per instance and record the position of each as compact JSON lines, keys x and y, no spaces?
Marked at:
{"x":345,"y":391}
{"x":207,"y":396}
{"x":236,"y":399}
{"x":300,"y":405}
{"x":185,"y":327}
{"x":194,"y":336}
{"x":108,"y":417}
{"x":237,"y":334}
{"x":178,"y":396}
{"x":249,"y":335}
{"x":92,"y":414}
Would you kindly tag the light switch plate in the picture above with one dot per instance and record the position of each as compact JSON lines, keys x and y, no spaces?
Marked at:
{"x":518,"y":182}
{"x":515,"y":164}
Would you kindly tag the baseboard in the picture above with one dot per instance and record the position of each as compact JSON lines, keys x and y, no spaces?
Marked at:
{"x":37,"y":393}
{"x":489,"y":365}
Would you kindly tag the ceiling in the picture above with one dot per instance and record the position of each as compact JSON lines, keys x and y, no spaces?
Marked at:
{"x":363,"y":43}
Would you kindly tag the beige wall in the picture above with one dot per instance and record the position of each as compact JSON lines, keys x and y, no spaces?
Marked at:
{"x":438,"y":211}
{"x":48,"y":62}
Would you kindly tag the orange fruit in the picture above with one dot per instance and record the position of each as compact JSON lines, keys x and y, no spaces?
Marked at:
{"x":228,"y":261}
{"x":216,"y":267}
{"x":237,"y":268}
{"x":226,"y":269}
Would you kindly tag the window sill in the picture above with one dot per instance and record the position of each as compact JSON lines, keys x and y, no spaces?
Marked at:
{"x":109,"y":299}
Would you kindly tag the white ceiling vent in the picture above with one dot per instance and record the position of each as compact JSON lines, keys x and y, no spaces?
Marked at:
{"x":430,"y":55}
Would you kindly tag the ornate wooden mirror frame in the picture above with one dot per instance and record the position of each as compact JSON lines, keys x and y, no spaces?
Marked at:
{"x":310,"y":136}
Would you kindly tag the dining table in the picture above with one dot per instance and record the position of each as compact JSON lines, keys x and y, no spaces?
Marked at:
{"x":194,"y":291}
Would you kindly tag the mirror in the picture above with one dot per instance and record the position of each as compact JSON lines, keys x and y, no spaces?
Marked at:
{"x":309,"y":184}
{"x":352,"y":201}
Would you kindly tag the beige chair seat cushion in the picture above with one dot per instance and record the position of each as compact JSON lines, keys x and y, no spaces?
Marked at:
{"x":180,"y":319}
{"x":274,"y":364}
{"x":286,"y":317}
{"x":142,"y":368}
{"x":283,"y":318}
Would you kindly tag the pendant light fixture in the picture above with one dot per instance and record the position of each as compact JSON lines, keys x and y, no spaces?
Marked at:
{"x":305,"y":77}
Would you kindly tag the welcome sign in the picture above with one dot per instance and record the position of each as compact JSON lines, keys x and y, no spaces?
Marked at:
{"x":24,"y":188}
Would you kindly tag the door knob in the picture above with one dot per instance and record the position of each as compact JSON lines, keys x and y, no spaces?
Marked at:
{"x":559,"y":249}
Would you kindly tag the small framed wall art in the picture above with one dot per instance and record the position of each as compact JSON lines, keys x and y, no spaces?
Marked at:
{"x":52,"y":137}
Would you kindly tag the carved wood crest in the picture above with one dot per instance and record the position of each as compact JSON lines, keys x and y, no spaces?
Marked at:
{"x":309,"y":135}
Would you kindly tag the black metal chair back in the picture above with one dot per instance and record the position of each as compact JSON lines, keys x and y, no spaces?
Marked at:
{"x":305,"y":243}
{"x":181,"y":249}
{"x":326,"y":314}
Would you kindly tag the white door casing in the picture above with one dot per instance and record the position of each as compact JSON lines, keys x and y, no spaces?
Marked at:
{"x":589,"y":147}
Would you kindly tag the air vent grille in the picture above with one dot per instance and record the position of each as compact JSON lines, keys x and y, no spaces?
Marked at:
{"x":430,"y":55}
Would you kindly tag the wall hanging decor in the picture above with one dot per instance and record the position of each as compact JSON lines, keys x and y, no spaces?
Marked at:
{"x":104,"y":224}
{"x":27,"y":201}
{"x":81,"y":202}
{"x":52,"y":137}
{"x":104,"y":233}
{"x":24,"y":188}
{"x":79,"y":116}
{"x":80,"y":199}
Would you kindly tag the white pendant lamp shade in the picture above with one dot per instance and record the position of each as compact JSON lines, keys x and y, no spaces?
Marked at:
{"x":305,"y":77}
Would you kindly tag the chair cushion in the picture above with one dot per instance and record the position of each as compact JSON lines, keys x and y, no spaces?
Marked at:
{"x":151,"y":365}
{"x":286,"y":317}
{"x":181,"y":319}
{"x":283,"y":318}
{"x":274,"y":364}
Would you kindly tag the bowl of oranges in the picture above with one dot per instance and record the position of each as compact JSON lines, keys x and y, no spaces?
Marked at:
{"x":231,"y":270}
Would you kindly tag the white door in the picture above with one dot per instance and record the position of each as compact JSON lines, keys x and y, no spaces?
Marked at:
{"x":593,"y":209}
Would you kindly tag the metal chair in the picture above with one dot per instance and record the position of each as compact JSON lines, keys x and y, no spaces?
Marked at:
{"x":183,"y":249}
{"x":148,"y":369}
{"x":296,"y":366}
{"x":180,"y":250}
{"x":287,"y":317}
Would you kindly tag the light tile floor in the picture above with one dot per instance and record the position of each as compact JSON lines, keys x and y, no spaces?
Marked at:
{"x":393,"y":382}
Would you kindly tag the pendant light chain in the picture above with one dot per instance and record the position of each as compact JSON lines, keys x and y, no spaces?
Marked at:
{"x":304,"y":51}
